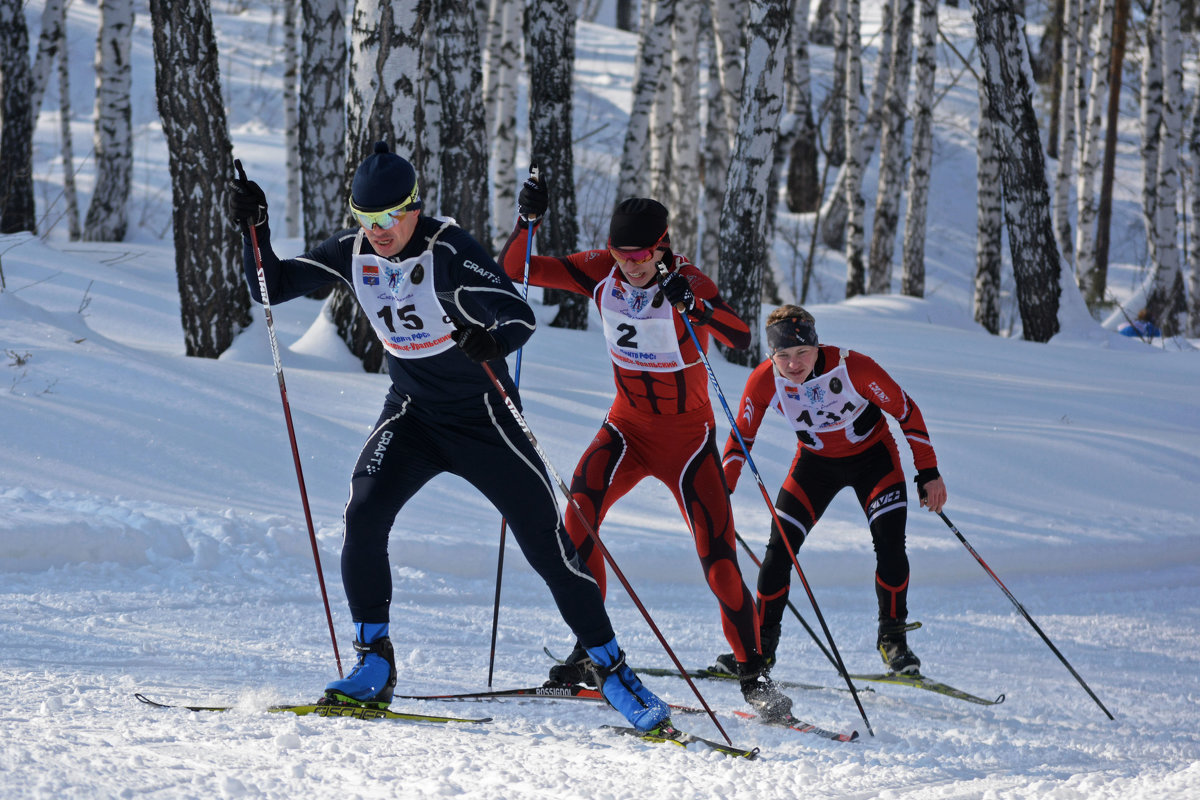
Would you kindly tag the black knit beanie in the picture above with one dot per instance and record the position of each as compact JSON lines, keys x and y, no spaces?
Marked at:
{"x":637,"y":222}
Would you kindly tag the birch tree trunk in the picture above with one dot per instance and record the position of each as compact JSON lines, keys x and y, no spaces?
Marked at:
{"x":855,"y":158}
{"x":17,"y":211}
{"x":685,"y":144}
{"x":912,"y":281}
{"x":1151,"y":119}
{"x":745,"y":239}
{"x":213,"y":299}
{"x":824,"y":28}
{"x":803,"y":178}
{"x":382,"y":104}
{"x":322,"y":127}
{"x":662,"y":121}
{"x":834,"y":214}
{"x":1165,"y":301}
{"x":70,"y":198}
{"x":1091,"y":151}
{"x":633,"y":178}
{"x":505,"y":41}
{"x":1065,"y":172}
{"x":1193,"y":326}
{"x":833,"y":110}
{"x":891,"y":154}
{"x":51,"y":41}
{"x":1099,"y":282}
{"x":108,"y":214}
{"x":464,"y":148}
{"x":989,"y":220}
{"x":1035,"y":259}
{"x":291,"y":115}
{"x":551,"y":53}
{"x":724,"y":102}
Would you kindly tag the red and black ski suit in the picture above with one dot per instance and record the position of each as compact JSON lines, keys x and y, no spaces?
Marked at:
{"x":843,"y":441}
{"x":661,"y":422}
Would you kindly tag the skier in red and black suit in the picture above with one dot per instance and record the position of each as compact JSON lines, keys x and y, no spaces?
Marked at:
{"x":661,"y":422}
{"x":834,"y":399}
{"x":440,"y":305}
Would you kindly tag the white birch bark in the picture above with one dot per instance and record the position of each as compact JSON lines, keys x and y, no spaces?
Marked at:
{"x":1151,"y":102}
{"x":685,"y":145}
{"x":107,"y":215}
{"x":989,"y":221}
{"x":662,"y":120}
{"x":501,"y":98}
{"x":1193,"y":326}
{"x":886,"y":218}
{"x":855,"y":157}
{"x":1164,"y":300}
{"x":803,"y":181}
{"x":1091,"y":148}
{"x":633,"y":178}
{"x":322,"y":128}
{"x":385,"y":54}
{"x":291,"y":115}
{"x":464,"y":148}
{"x":1065,"y":171}
{"x":51,"y":41}
{"x":723,"y":103}
{"x":912,"y":280}
{"x":17,"y":207}
{"x":1037,"y":265}
{"x":214,"y":304}
{"x":745,"y":237}
{"x":70,"y":197}
{"x":834,"y":213}
{"x":717,"y":148}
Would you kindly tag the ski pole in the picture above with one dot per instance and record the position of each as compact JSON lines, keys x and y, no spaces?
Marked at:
{"x":591,"y":532}
{"x":287,"y":414}
{"x":1024,"y":613}
{"x":712,"y":377}
{"x":533,"y":174}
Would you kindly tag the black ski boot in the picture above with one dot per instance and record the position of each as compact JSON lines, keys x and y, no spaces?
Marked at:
{"x":893,"y":647}
{"x":726,"y":665}
{"x":576,"y":669}
{"x":760,"y":691}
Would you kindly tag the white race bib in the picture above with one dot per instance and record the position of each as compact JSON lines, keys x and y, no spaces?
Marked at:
{"x":640,"y":336}
{"x":404,"y":310}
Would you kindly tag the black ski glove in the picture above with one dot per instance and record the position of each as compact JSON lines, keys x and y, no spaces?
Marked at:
{"x":476,"y":343}
{"x":533,"y":200}
{"x":678,"y":291}
{"x":246,"y":203}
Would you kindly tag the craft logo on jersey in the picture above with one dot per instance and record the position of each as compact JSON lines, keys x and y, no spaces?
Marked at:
{"x":370,"y":275}
{"x":394,"y":274}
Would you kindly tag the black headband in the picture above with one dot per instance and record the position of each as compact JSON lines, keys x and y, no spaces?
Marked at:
{"x":790,"y":332}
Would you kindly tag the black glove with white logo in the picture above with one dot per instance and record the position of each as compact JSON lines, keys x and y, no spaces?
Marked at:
{"x":533,"y":200}
{"x":678,"y":291}
{"x":476,"y":343}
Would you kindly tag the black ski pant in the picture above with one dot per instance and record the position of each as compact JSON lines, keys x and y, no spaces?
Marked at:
{"x":487,"y":448}
{"x":878,"y":480}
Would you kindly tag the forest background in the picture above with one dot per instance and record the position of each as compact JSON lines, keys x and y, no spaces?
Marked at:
{"x":764,"y":175}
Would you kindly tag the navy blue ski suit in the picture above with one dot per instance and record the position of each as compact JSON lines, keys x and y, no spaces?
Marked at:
{"x":442,"y":412}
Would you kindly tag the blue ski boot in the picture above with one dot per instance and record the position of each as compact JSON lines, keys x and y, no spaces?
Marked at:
{"x":622,"y":689}
{"x":373,"y":680}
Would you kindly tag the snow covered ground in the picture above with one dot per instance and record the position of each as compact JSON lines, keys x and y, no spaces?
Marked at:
{"x":152,"y":539}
